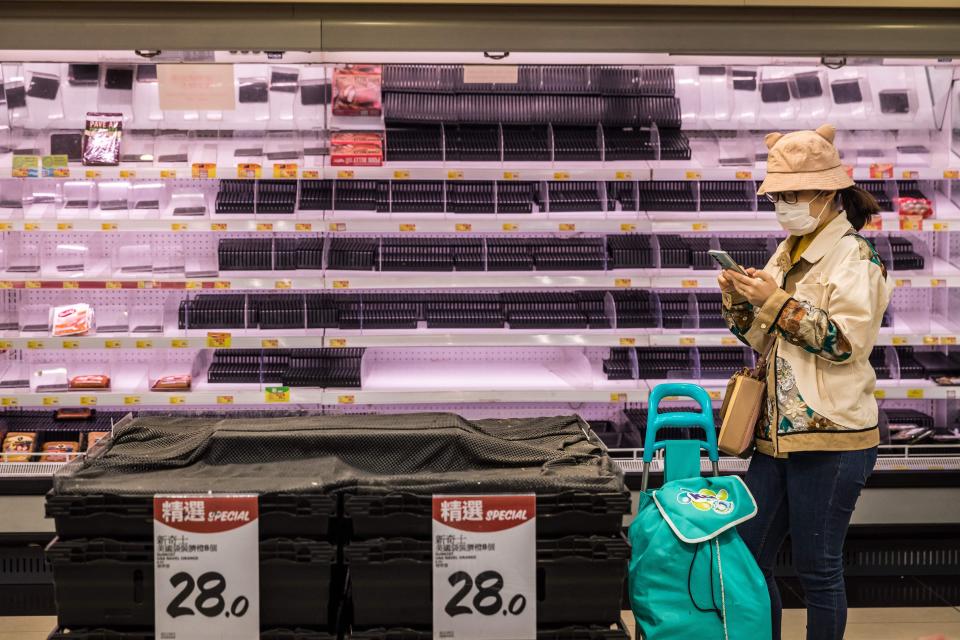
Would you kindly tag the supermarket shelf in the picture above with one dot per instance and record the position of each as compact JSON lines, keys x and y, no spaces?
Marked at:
{"x":694,"y":170}
{"x":625,"y":170}
{"x":637,"y":170}
{"x":947,"y":219}
{"x":480,"y":396}
{"x":29,"y":469}
{"x":183,"y":340}
{"x":584,"y":222}
{"x":487,"y":279}
{"x":486,"y":338}
{"x":239,"y":395}
{"x":277,"y":281}
{"x":263,"y":224}
{"x":233,"y":395}
{"x":422,"y":337}
{"x":942,"y":274}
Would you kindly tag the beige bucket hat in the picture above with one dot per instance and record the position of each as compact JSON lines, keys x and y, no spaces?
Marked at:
{"x":803,"y":160}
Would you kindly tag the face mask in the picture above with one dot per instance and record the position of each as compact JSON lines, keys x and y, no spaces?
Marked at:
{"x":796,"y":219}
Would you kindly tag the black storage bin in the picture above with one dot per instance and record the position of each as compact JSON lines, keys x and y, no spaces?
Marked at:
{"x":123,"y":517}
{"x":64,"y":633}
{"x":426,"y":453}
{"x":592,"y":632}
{"x":101,"y":582}
{"x":579,"y":581}
{"x":558,"y":514}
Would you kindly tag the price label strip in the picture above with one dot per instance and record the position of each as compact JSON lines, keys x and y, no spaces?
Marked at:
{"x":484,"y":567}
{"x":206,"y":567}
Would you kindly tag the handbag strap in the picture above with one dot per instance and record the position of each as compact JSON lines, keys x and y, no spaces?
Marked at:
{"x":760,"y":371}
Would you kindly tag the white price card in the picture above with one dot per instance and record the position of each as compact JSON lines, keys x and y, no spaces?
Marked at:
{"x":206,"y":567}
{"x":484,"y":567}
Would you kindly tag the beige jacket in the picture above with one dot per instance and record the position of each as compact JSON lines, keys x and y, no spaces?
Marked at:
{"x":826,"y":316}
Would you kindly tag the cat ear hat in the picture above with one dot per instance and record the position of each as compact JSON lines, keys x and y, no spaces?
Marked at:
{"x":802,"y":161}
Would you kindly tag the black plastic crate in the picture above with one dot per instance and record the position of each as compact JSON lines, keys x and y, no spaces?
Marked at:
{"x":593,"y":632}
{"x":91,"y":516}
{"x":109,"y":583}
{"x":579,"y":581}
{"x":558,"y":514}
{"x":64,"y":633}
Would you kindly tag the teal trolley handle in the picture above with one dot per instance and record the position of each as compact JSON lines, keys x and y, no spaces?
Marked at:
{"x":656,"y":420}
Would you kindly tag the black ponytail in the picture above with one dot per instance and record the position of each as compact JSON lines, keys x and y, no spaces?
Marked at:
{"x":859,"y":205}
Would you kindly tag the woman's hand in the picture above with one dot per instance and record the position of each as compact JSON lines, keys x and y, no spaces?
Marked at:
{"x":726,"y":284}
{"x":757,"y":286}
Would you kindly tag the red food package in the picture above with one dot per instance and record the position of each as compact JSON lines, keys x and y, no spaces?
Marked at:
{"x":179,"y":382}
{"x":360,"y":148}
{"x":357,"y":90}
{"x":101,"y":139}
{"x":59,"y":451}
{"x":916,"y":207}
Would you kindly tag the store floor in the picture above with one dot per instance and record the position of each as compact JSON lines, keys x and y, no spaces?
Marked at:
{"x":864,"y":624}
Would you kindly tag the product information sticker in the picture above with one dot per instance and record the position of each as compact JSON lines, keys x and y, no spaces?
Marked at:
{"x":484,"y":567}
{"x":206,"y":567}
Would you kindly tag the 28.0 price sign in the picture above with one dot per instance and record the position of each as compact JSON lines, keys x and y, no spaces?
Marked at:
{"x":484,"y":567}
{"x":206,"y":567}
{"x":210,"y":602}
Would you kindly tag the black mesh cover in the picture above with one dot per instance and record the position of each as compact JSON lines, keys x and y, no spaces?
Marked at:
{"x":420,"y":452}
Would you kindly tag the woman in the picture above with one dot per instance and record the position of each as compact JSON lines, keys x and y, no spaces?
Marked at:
{"x":817,"y":306}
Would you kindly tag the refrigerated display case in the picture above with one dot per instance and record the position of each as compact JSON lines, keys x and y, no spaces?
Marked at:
{"x":498,"y":215}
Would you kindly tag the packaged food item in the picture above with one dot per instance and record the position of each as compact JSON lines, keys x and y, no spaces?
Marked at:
{"x":179,"y":382}
{"x":356,"y":148}
{"x":90,"y":382}
{"x":59,"y":451}
{"x":357,"y":90}
{"x":74,"y":414}
{"x":94,"y":437}
{"x":19,"y":443}
{"x":72,"y":320}
{"x":101,"y":139}
{"x":916,"y":207}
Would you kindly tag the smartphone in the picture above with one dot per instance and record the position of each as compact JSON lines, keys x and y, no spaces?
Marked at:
{"x":725,"y":261}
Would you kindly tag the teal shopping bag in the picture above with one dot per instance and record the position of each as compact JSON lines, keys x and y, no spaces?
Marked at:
{"x":691,"y":576}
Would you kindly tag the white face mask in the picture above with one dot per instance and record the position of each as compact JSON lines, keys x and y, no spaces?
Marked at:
{"x":796,"y":219}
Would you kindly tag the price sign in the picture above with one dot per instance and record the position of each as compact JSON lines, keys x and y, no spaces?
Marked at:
{"x":303,"y":226}
{"x":567,"y":226}
{"x":484,"y":567}
{"x":248,"y":170}
{"x":219,"y":340}
{"x":203,"y":170}
{"x":206,"y":567}
{"x":276,"y":395}
{"x":463,"y":227}
{"x":287,"y":171}
{"x":345,"y":174}
{"x":628,"y":227}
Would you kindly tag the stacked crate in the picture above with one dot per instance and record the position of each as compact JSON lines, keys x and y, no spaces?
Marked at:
{"x":345,"y":523}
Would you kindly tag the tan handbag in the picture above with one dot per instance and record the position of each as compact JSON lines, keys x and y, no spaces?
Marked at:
{"x":746,"y":397}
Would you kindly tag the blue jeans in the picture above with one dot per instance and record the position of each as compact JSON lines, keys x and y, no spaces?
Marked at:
{"x":811,"y":496}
